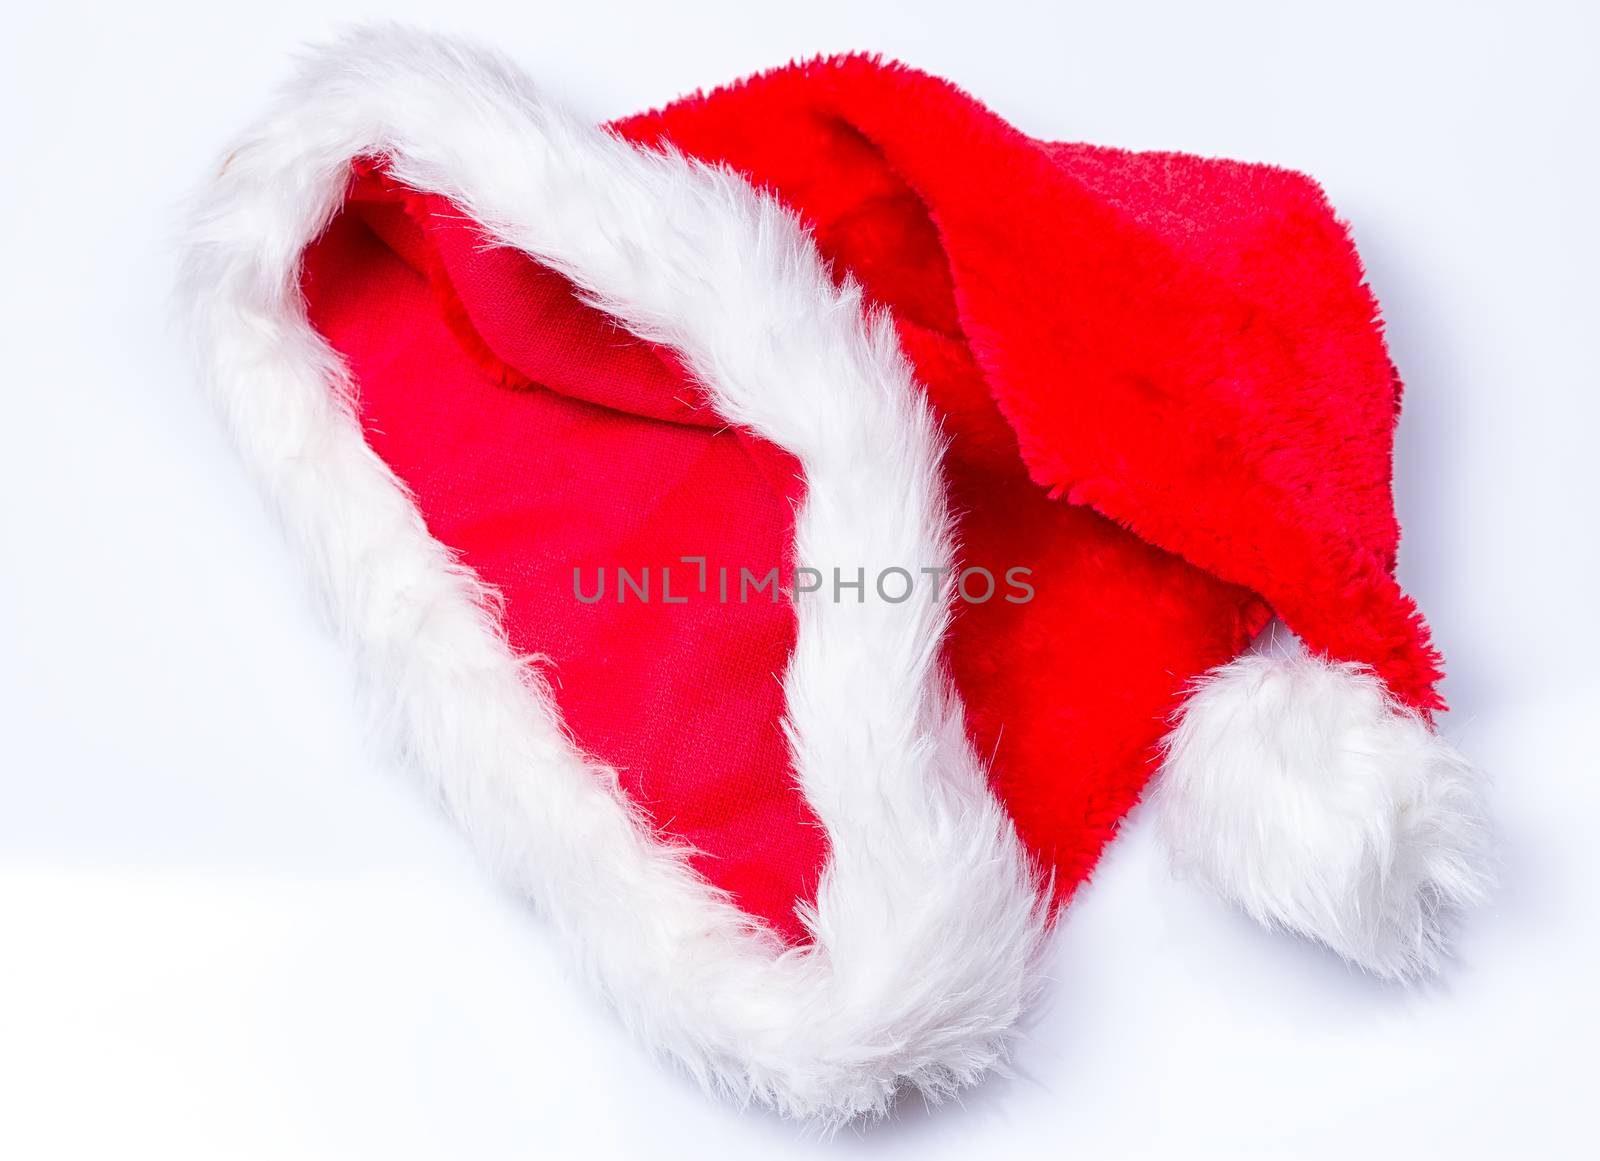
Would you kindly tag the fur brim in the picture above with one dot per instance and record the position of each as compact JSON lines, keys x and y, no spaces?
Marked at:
{"x":928,"y":915}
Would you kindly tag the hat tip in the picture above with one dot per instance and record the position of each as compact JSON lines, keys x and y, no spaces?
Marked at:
{"x":1299,"y":789}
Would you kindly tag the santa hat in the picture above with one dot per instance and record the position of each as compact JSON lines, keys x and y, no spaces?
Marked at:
{"x":783,"y":530}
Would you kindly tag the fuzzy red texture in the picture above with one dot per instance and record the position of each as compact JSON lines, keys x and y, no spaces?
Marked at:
{"x":1166,"y":394}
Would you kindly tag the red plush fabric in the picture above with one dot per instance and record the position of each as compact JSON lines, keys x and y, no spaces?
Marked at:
{"x":1166,"y":392}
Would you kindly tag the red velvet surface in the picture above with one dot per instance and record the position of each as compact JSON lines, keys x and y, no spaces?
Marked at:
{"x":1165,"y":392}
{"x":550,"y":455}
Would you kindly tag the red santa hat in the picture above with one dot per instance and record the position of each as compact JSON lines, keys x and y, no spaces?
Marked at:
{"x":785,"y":528}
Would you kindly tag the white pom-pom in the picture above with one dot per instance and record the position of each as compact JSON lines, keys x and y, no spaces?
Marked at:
{"x":1300,"y":790}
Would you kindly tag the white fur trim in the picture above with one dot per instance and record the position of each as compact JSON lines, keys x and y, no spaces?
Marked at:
{"x":1299,"y":789}
{"x":928,"y":915}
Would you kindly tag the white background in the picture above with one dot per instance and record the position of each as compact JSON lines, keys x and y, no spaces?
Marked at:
{"x":229,"y":930}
